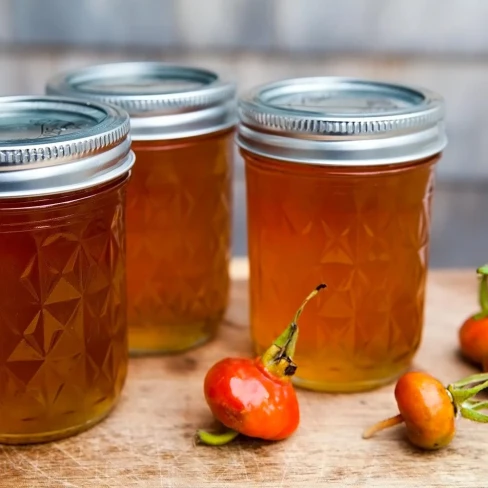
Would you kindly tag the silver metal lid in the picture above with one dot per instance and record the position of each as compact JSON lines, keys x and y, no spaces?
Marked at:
{"x":164,"y":101}
{"x":54,"y":145}
{"x":341,"y":121}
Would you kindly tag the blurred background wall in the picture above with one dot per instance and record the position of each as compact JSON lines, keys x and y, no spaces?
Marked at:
{"x":440,"y":44}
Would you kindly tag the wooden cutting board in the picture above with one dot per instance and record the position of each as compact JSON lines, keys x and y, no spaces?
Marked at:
{"x":148,"y":440}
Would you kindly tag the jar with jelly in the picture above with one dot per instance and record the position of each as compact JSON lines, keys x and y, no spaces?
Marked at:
{"x":340,"y":179}
{"x":179,"y":197}
{"x":64,"y":166}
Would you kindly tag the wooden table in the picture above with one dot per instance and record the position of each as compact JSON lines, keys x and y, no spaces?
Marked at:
{"x":148,"y":440}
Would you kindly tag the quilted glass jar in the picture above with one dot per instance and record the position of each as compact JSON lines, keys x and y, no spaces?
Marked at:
{"x":64,"y":165}
{"x":340,"y":178}
{"x":179,"y":196}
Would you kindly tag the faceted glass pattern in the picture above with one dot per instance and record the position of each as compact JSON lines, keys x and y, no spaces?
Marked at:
{"x":178,"y":241}
{"x":362,"y":231}
{"x":63,"y":328}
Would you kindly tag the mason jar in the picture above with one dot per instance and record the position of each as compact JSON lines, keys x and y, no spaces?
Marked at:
{"x":340,"y":179}
{"x":64,"y":165}
{"x":179,"y":197}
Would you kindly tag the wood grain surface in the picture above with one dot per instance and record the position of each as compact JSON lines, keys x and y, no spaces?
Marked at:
{"x":148,"y":439}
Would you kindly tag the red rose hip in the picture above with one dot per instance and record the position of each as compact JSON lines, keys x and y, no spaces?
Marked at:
{"x":255,"y":397}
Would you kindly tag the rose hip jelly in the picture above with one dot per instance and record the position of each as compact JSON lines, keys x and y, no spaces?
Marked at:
{"x":179,"y":197}
{"x":64,"y":165}
{"x":340,"y":176}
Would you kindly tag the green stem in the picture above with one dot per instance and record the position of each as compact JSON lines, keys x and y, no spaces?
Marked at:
{"x":474,"y":415}
{"x":469,"y":380}
{"x":473,"y":405}
{"x":216,"y":439}
{"x":483,"y":290}
{"x":463,"y":392}
{"x":310,"y":296}
{"x":279,"y":357}
{"x":460,"y":396}
{"x":287,"y":340}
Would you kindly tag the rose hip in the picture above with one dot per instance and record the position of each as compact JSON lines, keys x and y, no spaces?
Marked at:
{"x":429,"y":409}
{"x":473,"y":334}
{"x":255,"y":397}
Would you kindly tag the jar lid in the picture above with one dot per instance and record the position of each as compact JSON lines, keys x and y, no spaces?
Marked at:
{"x":54,"y":145}
{"x":164,"y":101}
{"x":341,"y":121}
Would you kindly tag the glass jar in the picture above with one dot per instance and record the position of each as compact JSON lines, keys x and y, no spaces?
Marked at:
{"x":64,"y":165}
{"x":179,"y":197}
{"x":340,"y":177}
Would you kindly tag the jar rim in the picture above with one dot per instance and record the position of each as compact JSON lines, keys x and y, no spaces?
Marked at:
{"x":52,"y":145}
{"x":164,"y":100}
{"x":340,"y":120}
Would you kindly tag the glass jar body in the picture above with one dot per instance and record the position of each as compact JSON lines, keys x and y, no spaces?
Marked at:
{"x":364,"y":231}
{"x":63,"y":354}
{"x":178,"y":234}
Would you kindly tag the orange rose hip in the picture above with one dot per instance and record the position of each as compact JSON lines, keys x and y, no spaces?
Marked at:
{"x":429,"y":409}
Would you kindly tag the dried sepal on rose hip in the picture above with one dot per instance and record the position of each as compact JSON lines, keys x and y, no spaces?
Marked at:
{"x":429,"y":409}
{"x":255,"y":397}
{"x":473,"y":334}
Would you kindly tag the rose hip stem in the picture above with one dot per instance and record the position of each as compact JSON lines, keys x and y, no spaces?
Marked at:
{"x":279,"y":357}
{"x":482,"y":272}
